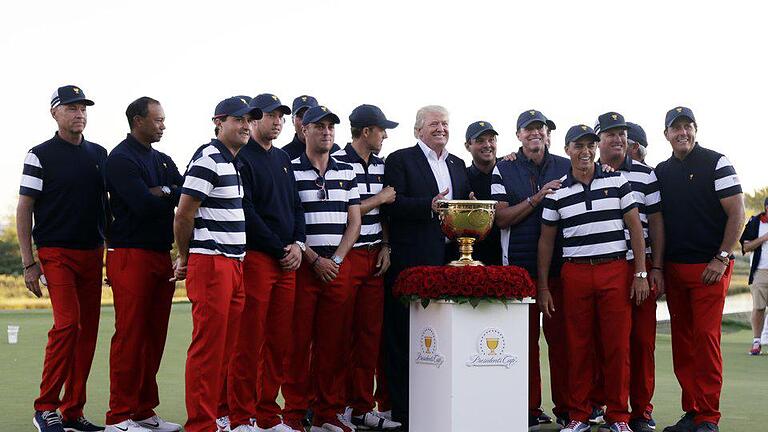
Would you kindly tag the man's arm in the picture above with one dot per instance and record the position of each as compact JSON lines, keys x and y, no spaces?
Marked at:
{"x":639,"y":290}
{"x":385,"y":196}
{"x":544,"y":253}
{"x":508,"y":215}
{"x":183,"y":227}
{"x":125,"y":181}
{"x":749,"y":239}
{"x":405,"y":207}
{"x":656,"y":234}
{"x":351,"y":233}
{"x":24,"y":233}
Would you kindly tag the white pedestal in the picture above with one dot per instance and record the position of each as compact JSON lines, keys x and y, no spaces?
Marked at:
{"x":459,"y":384}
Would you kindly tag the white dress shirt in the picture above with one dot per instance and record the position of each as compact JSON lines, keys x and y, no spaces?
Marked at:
{"x":439,"y":166}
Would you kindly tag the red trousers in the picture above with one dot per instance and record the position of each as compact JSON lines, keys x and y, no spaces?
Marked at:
{"x":215,"y":288}
{"x":74,"y":284}
{"x":256,"y":371}
{"x":367,"y":313}
{"x":554,"y":333}
{"x":320,"y":333}
{"x":642,"y":351}
{"x":143,"y":296}
{"x":598,"y":290}
{"x":696,"y":314}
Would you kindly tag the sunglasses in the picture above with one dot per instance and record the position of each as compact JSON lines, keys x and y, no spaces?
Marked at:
{"x":322,"y":194}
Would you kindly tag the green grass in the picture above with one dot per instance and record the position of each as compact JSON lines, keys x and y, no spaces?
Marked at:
{"x":743,"y":401}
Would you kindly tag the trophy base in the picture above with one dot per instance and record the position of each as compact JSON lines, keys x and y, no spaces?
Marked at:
{"x":464,"y":263}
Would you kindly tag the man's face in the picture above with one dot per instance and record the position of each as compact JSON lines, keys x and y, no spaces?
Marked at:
{"x":483,"y":148}
{"x":71,"y":118}
{"x":319,"y":136}
{"x":152,"y":126}
{"x":613,"y":144}
{"x":297,"y":126}
{"x":682,"y":135}
{"x":234,"y":131}
{"x":533,"y":137}
{"x":269,"y":126}
{"x":374,"y":138}
{"x":582,"y":153}
{"x":434,"y":132}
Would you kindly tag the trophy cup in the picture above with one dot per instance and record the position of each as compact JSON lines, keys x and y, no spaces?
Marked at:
{"x":466,"y":221}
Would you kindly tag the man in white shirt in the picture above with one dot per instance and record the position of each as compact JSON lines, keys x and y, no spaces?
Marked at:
{"x":754,"y":240}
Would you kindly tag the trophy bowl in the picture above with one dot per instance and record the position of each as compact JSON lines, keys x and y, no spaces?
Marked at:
{"x":466,"y":221}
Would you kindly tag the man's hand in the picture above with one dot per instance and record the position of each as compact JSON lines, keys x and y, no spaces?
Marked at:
{"x":607,"y":168}
{"x":545,"y":302}
{"x":713,"y":272}
{"x":382,"y":262}
{"x":32,"y":279}
{"x":387,"y":195}
{"x":157,"y":191}
{"x":440,"y":196}
{"x":639,"y":291}
{"x":292,"y":259}
{"x":472,"y":196}
{"x":656,"y":280}
{"x":179,"y":269}
{"x":510,"y":157}
{"x":325,"y":269}
{"x":547,"y":189}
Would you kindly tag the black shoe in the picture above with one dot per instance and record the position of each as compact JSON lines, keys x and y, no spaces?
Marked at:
{"x":307,"y":420}
{"x":544,"y":418}
{"x":81,"y":425}
{"x":707,"y":427}
{"x":597,"y":416}
{"x":533,"y":423}
{"x":640,"y":425}
{"x":685,"y":424}
{"x":563,"y":419}
{"x":47,"y":421}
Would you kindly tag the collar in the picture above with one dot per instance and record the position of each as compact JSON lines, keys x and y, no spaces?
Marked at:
{"x":305,"y":164}
{"x":474,"y":171}
{"x":695,"y":150}
{"x":352,"y":153}
{"x":225,"y":153}
{"x":59,"y":140}
{"x":570,"y":180}
{"x":255,"y":145}
{"x":523,"y":158}
{"x":430,"y":154}
{"x":133,"y":142}
{"x":627,"y":164}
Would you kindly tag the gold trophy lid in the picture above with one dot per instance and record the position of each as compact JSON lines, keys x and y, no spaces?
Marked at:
{"x":467,"y":202}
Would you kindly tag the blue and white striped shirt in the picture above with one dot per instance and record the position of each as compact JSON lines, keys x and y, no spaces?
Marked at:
{"x":370,"y":180}
{"x":220,"y":221}
{"x":645,"y":187}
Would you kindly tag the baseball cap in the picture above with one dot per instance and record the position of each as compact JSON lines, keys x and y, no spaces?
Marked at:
{"x":577,"y":132}
{"x":370,"y":115}
{"x":268,"y":102}
{"x":527,"y":117}
{"x":636,"y":133}
{"x":676,"y":113}
{"x":237,"y":107}
{"x":317,"y":113}
{"x":303,"y":101}
{"x":478,"y":128}
{"x":69,"y":94}
{"x":610,"y":120}
{"x":551,"y":125}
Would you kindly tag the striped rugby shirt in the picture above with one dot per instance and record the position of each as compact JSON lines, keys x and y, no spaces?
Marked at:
{"x":592,"y":217}
{"x":370,"y":180}
{"x":645,"y":187}
{"x":326,"y":219}
{"x":220,"y":221}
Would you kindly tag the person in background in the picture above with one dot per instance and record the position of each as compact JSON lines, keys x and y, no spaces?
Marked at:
{"x":754,"y":239}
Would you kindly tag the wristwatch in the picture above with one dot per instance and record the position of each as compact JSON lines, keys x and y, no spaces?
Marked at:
{"x":724,"y":256}
{"x":641,"y":275}
{"x":301,"y":246}
{"x":337,"y":260}
{"x":166,"y":190}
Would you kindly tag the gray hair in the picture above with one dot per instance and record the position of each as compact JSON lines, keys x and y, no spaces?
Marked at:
{"x":641,"y":150}
{"x":422,"y":112}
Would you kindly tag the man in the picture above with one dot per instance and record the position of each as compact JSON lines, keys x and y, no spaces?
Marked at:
{"x":703,"y":212}
{"x":369,"y":260}
{"x":315,"y":365}
{"x":209,"y":228}
{"x":613,"y":146}
{"x":753,"y":239}
{"x":62,"y":185}
{"x":592,"y":207}
{"x":275,"y":237}
{"x":298,"y":145}
{"x":480,"y":142}
{"x":421,"y":175}
{"x":638,"y":143}
{"x":144,"y":186}
{"x":519,"y":186}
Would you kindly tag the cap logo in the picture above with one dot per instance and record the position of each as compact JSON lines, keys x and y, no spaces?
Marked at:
{"x":583,"y":127}
{"x":303,"y":98}
{"x":533,"y":113}
{"x":76,"y":90}
{"x":324,"y":109}
{"x":605,"y":191}
{"x":678,"y":109}
{"x":690,"y":177}
{"x":614,"y":116}
{"x":274,"y":97}
{"x":285,"y":169}
{"x":244,"y":102}
{"x":482,"y":124}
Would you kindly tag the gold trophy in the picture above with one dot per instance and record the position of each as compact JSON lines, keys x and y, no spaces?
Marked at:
{"x":428,"y":342}
{"x":492,"y":344}
{"x":466,"y":221}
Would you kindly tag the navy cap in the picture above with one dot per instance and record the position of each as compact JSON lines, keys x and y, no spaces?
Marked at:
{"x":636,"y":134}
{"x":527,"y":117}
{"x":317,"y":113}
{"x":577,"y":132}
{"x":610,"y":120}
{"x":551,"y":125}
{"x":478,"y":128}
{"x":370,"y":115}
{"x":676,"y":113}
{"x":247,"y":98}
{"x":237,"y":107}
{"x":268,"y":102}
{"x":69,"y":94}
{"x":303,"y":101}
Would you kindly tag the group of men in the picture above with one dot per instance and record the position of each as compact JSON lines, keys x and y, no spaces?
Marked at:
{"x":290,"y":256}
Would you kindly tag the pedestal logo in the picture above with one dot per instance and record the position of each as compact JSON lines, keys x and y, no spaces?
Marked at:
{"x":490,"y":350}
{"x":429,"y":351}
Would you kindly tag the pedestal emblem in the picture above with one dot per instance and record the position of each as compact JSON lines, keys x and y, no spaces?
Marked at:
{"x":490,"y":350}
{"x":429,"y":348}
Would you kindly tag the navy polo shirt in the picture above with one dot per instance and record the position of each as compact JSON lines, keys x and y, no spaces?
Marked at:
{"x":487,"y":250}
{"x":297,"y":148}
{"x":67,"y":182}
{"x":691,"y":190}
{"x":274,"y":217}
{"x":141,"y":220}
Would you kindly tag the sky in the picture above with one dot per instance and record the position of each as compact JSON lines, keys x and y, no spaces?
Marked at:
{"x":482,"y":60}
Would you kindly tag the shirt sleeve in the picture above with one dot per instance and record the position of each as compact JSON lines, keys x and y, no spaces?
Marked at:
{"x":498,"y":190}
{"x":550,"y":214}
{"x":353,"y":194}
{"x":125,"y":182}
{"x":626,"y":197}
{"x":31,"y":176}
{"x":201,"y":178}
{"x":726,"y":181}
{"x":750,"y":232}
{"x":652,"y":194}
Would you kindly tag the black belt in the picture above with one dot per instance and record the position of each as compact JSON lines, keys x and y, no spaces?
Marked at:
{"x":596,"y":260}
{"x":370,"y":247}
